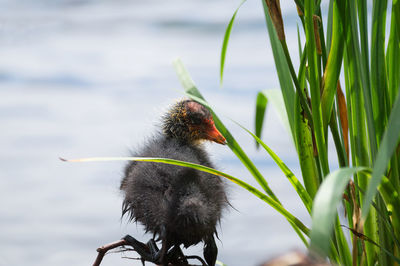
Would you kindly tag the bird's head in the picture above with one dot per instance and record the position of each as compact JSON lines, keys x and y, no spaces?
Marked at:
{"x":191,"y":122}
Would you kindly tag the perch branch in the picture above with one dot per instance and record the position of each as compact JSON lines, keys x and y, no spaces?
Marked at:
{"x":103,"y":250}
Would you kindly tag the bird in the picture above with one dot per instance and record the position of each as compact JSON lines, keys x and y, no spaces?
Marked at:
{"x":178,"y":205}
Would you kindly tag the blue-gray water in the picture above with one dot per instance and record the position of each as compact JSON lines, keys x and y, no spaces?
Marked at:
{"x":91,"y":78}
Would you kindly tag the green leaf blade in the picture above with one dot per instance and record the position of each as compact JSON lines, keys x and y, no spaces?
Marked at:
{"x":333,"y":66}
{"x":226,"y":41}
{"x":304,"y":196}
{"x":274,"y":204}
{"x":388,"y":145}
{"x":283,"y":71}
{"x":313,"y":73}
{"x":261,"y":105}
{"x":378,"y":66}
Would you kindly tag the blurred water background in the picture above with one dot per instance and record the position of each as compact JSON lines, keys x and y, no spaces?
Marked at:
{"x":81,"y":78}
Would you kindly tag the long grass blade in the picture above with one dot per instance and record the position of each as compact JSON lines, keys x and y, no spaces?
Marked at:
{"x":378,"y":66}
{"x":261,"y":105}
{"x":305,"y":149}
{"x":361,"y":72}
{"x":333,"y":66}
{"x":283,"y":71}
{"x":226,"y":41}
{"x":299,"y":42}
{"x":276,"y":205}
{"x":329,"y":27}
{"x":304,"y":196}
{"x":393,"y":53}
{"x":304,"y":137}
{"x":314,"y":78}
{"x":387,"y":147}
{"x":396,"y":10}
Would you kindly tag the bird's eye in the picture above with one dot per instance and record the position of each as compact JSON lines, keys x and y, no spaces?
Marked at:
{"x":196,"y":120}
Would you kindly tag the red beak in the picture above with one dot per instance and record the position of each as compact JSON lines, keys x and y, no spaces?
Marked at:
{"x":216,"y":136}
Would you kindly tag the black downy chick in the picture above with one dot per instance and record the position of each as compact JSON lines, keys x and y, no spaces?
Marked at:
{"x":178,"y":205}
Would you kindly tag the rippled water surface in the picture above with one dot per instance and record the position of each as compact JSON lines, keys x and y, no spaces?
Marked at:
{"x":91,"y":78}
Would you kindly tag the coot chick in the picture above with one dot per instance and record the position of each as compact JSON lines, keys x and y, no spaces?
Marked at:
{"x":178,"y":205}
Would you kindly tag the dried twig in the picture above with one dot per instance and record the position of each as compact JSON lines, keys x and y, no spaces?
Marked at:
{"x":103,"y":250}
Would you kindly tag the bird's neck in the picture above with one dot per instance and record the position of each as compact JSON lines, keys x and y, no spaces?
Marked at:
{"x":184,"y":141}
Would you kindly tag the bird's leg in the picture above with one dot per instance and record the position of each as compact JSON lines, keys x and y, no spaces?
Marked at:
{"x":194,"y":257}
{"x":162,"y":254}
{"x":210,"y":251}
{"x":151,"y":244}
{"x":147,"y":252}
{"x":150,"y":252}
{"x":176,"y":256}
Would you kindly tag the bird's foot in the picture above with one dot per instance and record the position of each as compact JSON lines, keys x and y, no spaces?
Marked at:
{"x":151,"y":253}
{"x":176,"y":257}
{"x":148,"y":252}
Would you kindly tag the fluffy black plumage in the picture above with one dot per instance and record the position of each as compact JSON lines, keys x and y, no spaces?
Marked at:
{"x":179,"y":205}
